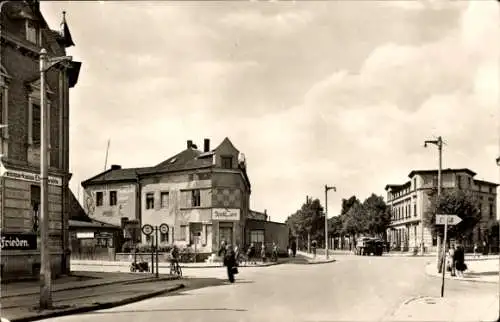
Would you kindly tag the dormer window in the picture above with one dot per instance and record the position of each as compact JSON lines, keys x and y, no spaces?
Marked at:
{"x":227,"y":162}
{"x":32,"y":33}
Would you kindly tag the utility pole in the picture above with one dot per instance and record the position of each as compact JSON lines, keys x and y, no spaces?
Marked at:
{"x":439,"y":144}
{"x":327,"y":188}
{"x":45,"y":270}
{"x":498,"y":164}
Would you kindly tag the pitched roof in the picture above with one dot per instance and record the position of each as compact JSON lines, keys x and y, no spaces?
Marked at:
{"x":115,"y":175}
{"x":186,"y":160}
{"x":76,"y":211}
{"x":486,"y":182}
{"x":92,"y":224}
{"x":406,"y":184}
{"x":414,"y":172}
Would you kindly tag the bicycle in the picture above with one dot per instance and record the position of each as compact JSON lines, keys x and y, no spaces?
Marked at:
{"x":175,"y":269}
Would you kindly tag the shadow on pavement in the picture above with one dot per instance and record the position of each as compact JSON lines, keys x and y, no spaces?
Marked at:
{"x":198,"y":283}
{"x":474,"y":274}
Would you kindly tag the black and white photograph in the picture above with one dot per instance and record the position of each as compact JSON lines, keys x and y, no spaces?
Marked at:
{"x":250,"y":160}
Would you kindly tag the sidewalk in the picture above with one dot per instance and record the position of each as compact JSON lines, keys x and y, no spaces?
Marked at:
{"x":163,"y":265}
{"x":310,"y":259}
{"x":82,"y":293}
{"x":482,"y":270}
{"x":450,"y":308}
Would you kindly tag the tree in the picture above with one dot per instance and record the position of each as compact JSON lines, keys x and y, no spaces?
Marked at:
{"x":354,"y":220}
{"x":457,"y":202}
{"x":309,"y":220}
{"x":377,"y":215}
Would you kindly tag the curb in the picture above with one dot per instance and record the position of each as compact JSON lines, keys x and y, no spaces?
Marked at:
{"x":182,"y":266}
{"x":97,"y":306}
{"x":322,"y":262}
{"x":458,"y":279}
{"x":139,"y":280}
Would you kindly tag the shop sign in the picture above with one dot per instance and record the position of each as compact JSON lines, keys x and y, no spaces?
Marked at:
{"x":225,"y":214}
{"x":27,"y":176}
{"x":85,"y":235}
{"x":18,"y":241}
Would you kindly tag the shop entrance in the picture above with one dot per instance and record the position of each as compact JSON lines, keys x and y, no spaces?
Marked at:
{"x":226,"y":233}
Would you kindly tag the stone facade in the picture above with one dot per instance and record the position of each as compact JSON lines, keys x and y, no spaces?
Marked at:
{"x":410,"y":200}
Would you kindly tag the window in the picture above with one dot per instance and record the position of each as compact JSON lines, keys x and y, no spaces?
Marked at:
{"x":32,"y":32}
{"x":148,"y":239}
{"x":35,"y":123}
{"x":150,"y":200}
{"x":99,"y":198}
{"x":415,"y":210}
{"x":164,"y":238}
{"x":491,"y":189}
{"x":256,"y":236}
{"x":415,"y":184}
{"x":195,"y":198}
{"x":227,"y":162}
{"x":112,"y":198}
{"x":470,"y":181}
{"x":491,"y":211}
{"x":164,"y":199}
{"x":459,"y":182}
{"x":183,"y":232}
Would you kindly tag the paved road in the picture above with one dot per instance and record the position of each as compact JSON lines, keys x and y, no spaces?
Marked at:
{"x":354,"y":288}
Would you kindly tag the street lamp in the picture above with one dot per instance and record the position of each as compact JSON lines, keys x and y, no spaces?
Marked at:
{"x":439,"y":144}
{"x":46,"y":63}
{"x":327,"y":188}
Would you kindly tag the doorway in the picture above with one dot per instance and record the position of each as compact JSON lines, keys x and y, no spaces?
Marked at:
{"x":225,"y":233}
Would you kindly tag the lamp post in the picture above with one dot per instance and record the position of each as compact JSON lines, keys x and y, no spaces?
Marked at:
{"x":498,"y":164}
{"x":439,"y":144}
{"x":327,"y":188}
{"x":46,"y":63}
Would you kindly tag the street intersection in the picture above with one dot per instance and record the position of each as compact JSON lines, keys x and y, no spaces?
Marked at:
{"x":353,"y":288}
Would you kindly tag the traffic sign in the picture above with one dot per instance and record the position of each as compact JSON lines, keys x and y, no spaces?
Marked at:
{"x":452,"y":219}
{"x":164,"y":228}
{"x":147,"y":229}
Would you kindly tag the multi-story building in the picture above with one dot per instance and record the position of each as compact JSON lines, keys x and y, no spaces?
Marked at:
{"x":24,"y":32}
{"x":410,"y":200}
{"x":203,"y":197}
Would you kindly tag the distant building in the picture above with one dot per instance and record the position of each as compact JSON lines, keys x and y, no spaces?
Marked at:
{"x":410,"y":200}
{"x":24,"y":33}
{"x":203,"y":197}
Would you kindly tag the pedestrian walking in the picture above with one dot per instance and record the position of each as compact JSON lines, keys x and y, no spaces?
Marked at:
{"x":459,"y":259}
{"x":222,"y":250}
{"x":263,"y":253}
{"x":476,"y":254}
{"x":251,"y":253}
{"x":313,"y":246}
{"x":294,"y":248}
{"x":275,"y":252}
{"x":450,"y":259}
{"x":230,"y":263}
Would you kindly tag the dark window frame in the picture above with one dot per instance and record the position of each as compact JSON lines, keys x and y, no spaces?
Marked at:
{"x":113,"y":198}
{"x":99,"y":198}
{"x":150,"y":200}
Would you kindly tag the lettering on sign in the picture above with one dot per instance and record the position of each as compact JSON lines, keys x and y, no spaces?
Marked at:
{"x":452,"y":219}
{"x":225,"y":214}
{"x":18,"y":241}
{"x":85,"y":235}
{"x":32,"y":177}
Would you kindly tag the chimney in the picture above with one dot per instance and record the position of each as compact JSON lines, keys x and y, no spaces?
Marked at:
{"x":189,"y":144}
{"x":206,"y":147}
{"x":116,"y":167}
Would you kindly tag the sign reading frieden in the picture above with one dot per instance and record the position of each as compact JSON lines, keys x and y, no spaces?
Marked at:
{"x":225,"y":214}
{"x":27,"y":176}
{"x":18,"y":241}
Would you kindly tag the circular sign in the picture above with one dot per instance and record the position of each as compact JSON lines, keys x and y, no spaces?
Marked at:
{"x":147,"y":229}
{"x":164,"y":228}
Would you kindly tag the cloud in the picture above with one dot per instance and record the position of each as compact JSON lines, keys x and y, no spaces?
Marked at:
{"x":340,"y":93}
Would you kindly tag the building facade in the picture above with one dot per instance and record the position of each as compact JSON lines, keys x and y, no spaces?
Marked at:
{"x":24,"y":33}
{"x":203,"y":196}
{"x":409,"y":201}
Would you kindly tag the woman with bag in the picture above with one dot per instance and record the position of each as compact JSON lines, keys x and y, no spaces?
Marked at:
{"x":230,"y":263}
{"x":460,"y":261}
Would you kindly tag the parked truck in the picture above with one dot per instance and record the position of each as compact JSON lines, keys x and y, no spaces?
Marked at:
{"x":370,"y":245}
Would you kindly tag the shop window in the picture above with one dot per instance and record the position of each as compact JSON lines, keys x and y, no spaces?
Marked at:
{"x":257,"y":236}
{"x":99,"y":198}
{"x":150,"y":200}
{"x":195,"y":198}
{"x":112,"y":198}
{"x":227,"y":162}
{"x":164,"y":199}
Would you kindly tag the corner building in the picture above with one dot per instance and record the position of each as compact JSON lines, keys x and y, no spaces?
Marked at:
{"x":24,"y":33}
{"x":202,"y":195}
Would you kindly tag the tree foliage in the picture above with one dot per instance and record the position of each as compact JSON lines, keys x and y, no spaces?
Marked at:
{"x":458,"y":202}
{"x":309,"y":219}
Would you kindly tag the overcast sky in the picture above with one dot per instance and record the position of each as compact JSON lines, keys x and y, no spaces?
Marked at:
{"x":341,"y":93}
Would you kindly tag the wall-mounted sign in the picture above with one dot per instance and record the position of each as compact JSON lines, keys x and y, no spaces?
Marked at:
{"x":164,"y":228}
{"x":18,"y":241}
{"x":225,"y":214}
{"x":27,"y":176}
{"x":147,"y":229}
{"x":85,"y":235}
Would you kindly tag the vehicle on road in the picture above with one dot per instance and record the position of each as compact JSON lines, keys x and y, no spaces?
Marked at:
{"x":370,"y":245}
{"x":175,"y":268}
{"x":139,"y":266}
